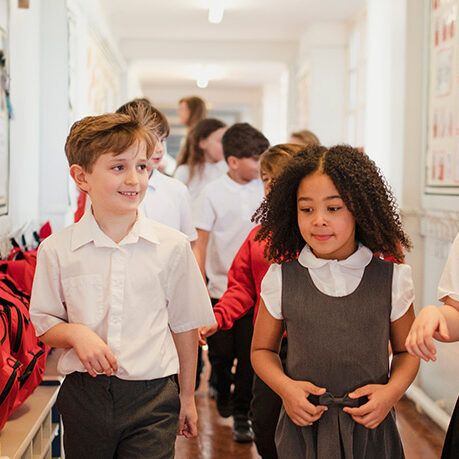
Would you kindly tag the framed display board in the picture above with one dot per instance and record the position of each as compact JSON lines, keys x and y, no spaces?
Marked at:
{"x":4,"y":123}
{"x":442,"y":165}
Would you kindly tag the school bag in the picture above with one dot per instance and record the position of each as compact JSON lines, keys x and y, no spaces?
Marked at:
{"x":21,"y":344}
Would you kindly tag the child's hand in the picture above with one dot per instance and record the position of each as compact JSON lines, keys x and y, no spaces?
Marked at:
{"x":429,"y":324}
{"x":380,"y":401}
{"x":299,"y":409}
{"x":93,"y":352}
{"x":188,"y":418}
{"x":205,"y":332}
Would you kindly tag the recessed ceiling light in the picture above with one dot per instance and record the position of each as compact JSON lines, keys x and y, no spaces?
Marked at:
{"x":216,"y":11}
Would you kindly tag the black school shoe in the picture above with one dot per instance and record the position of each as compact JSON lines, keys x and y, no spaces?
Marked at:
{"x":224,"y":406}
{"x":242,"y":429}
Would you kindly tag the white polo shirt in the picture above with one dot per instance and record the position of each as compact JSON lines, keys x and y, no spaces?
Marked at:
{"x":449,"y":281}
{"x":209,"y":173}
{"x":338,"y":278}
{"x":132,"y":294}
{"x":167,"y":201}
{"x":225,"y":209}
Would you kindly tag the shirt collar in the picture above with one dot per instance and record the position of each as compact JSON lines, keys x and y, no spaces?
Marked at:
{"x":358,"y":260}
{"x":87,"y":230}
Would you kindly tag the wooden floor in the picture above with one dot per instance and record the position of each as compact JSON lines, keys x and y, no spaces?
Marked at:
{"x":422,"y":439}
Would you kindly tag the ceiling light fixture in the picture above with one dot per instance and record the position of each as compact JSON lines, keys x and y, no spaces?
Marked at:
{"x":216,"y":11}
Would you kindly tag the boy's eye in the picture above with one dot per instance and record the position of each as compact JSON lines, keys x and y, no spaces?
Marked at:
{"x":142,"y":167}
{"x":118,"y":168}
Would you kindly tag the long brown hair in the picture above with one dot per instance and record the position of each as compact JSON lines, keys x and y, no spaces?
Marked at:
{"x":192,"y":154}
{"x":197,"y":108}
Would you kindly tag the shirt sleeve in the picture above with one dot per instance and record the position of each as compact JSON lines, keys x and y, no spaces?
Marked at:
{"x":181,"y":173}
{"x":449,"y":280}
{"x":402,"y":291}
{"x":241,"y":294}
{"x":186,"y":220}
{"x":203,"y":211}
{"x":47,"y":307}
{"x":271,"y":291}
{"x":188,"y":302}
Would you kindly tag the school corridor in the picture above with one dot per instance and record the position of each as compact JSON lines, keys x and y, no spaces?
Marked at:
{"x":244,"y":209}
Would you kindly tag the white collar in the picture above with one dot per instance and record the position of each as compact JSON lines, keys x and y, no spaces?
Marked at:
{"x":358,"y":260}
{"x":87,"y":230}
{"x":155,"y":179}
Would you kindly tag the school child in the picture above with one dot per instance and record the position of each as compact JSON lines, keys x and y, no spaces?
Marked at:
{"x":202,"y":159}
{"x":191,"y":110}
{"x":123,"y":295}
{"x":339,"y":305}
{"x":442,"y":324}
{"x":243,"y":294}
{"x":167,"y":200}
{"x":223,"y":220}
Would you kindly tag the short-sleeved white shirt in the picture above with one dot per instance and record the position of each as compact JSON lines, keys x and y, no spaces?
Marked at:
{"x":225,"y":209}
{"x":449,"y":281}
{"x":209,"y":173}
{"x":339,"y":278}
{"x":168,"y":201}
{"x":131,"y":294}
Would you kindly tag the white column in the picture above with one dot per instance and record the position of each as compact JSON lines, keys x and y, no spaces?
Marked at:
{"x":323,"y":51}
{"x":54,"y":112}
{"x":385,"y":94}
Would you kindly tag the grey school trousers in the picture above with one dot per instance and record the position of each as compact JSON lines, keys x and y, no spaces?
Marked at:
{"x":107,"y":417}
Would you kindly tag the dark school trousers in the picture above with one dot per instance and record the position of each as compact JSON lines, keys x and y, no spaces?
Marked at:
{"x":107,"y":417}
{"x":265,"y":410}
{"x":224,"y":347}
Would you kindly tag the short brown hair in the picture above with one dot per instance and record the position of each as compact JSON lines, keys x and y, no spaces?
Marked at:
{"x":274,"y":159}
{"x":242,"y":140}
{"x":144,"y":109}
{"x":113,"y":133}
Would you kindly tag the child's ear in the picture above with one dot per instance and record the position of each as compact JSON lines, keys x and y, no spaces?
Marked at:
{"x":202,"y":144}
{"x":79,"y":176}
{"x":233,"y":162}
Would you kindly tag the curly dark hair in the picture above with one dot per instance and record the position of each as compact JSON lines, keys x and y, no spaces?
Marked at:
{"x":360,"y":184}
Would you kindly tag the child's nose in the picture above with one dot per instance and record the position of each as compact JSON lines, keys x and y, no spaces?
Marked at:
{"x":131,"y":177}
{"x":320,"y":219}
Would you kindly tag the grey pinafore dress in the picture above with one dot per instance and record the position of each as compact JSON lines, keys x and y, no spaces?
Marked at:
{"x":340,"y":343}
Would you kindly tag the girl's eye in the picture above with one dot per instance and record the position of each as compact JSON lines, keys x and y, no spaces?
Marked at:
{"x":306,"y":209}
{"x":334,"y":208}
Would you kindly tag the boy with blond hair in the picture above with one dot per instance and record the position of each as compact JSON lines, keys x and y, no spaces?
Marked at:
{"x":123,"y":296}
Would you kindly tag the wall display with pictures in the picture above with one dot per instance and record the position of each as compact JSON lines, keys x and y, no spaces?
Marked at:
{"x":442,"y":166}
{"x":5,"y":112}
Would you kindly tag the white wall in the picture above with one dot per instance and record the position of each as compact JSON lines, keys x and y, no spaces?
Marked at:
{"x":323,"y":51}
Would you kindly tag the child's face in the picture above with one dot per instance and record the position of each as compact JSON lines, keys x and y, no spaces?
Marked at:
{"x":212,"y":146}
{"x":324,"y":221}
{"x":244,"y":169}
{"x":183,"y":112}
{"x":157,"y":156}
{"x":117,"y":184}
{"x":267,"y":180}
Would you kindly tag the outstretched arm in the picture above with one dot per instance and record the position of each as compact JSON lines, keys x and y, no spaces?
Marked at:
{"x":440,"y":323}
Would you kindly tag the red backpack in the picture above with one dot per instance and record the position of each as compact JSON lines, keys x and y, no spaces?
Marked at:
{"x":24,"y":355}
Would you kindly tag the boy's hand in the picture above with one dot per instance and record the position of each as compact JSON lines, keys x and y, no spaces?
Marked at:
{"x":93,"y":352}
{"x":296,"y":403}
{"x":188,"y":418}
{"x":205,"y":332}
{"x":380,"y":401}
{"x":429,"y":324}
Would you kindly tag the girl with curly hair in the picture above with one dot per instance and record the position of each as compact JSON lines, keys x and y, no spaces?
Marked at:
{"x":340,"y":306}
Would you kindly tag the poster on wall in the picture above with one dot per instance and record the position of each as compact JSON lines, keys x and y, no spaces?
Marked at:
{"x":4,"y":124}
{"x":442,"y":165}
